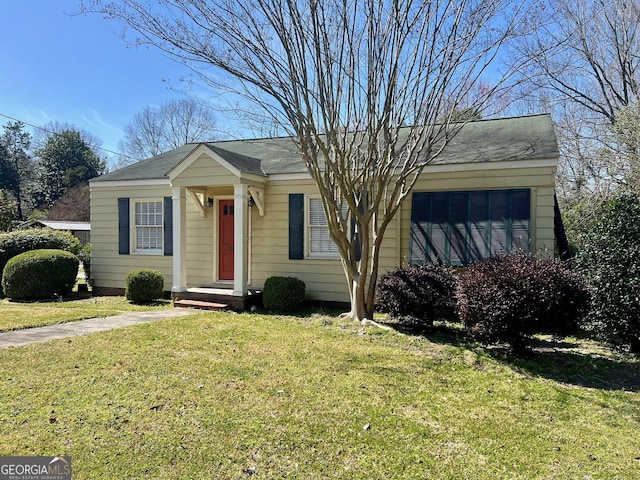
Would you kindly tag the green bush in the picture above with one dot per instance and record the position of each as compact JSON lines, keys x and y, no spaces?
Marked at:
{"x":510,"y":297}
{"x":20,"y":241}
{"x":609,"y":259}
{"x":85,"y":257}
{"x":144,"y":286}
{"x":283,"y":294}
{"x":40,"y":274}
{"x":418,"y":294}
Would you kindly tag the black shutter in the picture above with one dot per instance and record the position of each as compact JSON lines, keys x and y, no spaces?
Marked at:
{"x":296,"y":226}
{"x":123,"y":226}
{"x":168,"y":226}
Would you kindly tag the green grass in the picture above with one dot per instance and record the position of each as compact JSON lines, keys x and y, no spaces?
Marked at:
{"x":15,"y":315}
{"x":222,"y":395}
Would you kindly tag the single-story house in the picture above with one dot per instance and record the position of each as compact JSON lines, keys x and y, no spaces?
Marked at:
{"x":221,"y":217}
{"x":81,"y":230}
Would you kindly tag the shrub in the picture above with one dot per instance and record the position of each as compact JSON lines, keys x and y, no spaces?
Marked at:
{"x":85,"y":257}
{"x":609,"y":259}
{"x":144,"y":286}
{"x":509,"y":297}
{"x":40,"y":274}
{"x":418,"y":294}
{"x":283,"y":294}
{"x":20,"y":241}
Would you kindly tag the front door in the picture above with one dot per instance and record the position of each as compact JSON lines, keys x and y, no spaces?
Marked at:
{"x":225,"y":240}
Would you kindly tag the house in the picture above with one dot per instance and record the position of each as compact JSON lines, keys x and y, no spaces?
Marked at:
{"x":222,"y":217}
{"x":81,"y":230}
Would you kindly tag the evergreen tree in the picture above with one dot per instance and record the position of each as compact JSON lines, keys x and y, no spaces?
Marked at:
{"x":66,"y":160}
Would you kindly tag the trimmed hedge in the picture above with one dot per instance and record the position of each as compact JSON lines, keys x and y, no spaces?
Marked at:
{"x":418,"y":294}
{"x":144,"y":286}
{"x":20,"y":241}
{"x":509,"y":297}
{"x":40,"y":274}
{"x":283,"y":294}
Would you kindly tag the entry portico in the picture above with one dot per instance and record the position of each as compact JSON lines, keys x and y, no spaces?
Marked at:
{"x":223,"y":188}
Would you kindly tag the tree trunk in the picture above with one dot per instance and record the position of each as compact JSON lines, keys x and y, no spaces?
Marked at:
{"x":358,"y":301}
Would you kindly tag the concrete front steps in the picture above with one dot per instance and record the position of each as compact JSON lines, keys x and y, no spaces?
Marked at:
{"x":210,"y":298}
{"x":200,"y":304}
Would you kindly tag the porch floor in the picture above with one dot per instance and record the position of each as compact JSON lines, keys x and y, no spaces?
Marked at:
{"x":215,"y":298}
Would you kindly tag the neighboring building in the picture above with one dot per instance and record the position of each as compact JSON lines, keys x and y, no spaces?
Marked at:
{"x":230,"y":214}
{"x":81,"y":230}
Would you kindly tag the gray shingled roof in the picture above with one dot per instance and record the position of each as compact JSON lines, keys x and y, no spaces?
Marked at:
{"x":519,"y":138}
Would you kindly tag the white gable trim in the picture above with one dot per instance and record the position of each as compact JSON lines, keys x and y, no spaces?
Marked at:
{"x":201,"y":150}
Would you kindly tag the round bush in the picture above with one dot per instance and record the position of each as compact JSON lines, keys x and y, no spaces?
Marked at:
{"x":609,"y":258}
{"x":144,"y":286}
{"x":509,"y":297}
{"x":40,"y":274}
{"x":20,"y":241}
{"x":418,"y":294}
{"x":283,"y":294}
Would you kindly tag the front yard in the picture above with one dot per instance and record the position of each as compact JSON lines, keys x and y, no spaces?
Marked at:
{"x":223,"y":395}
{"x":15,"y":315}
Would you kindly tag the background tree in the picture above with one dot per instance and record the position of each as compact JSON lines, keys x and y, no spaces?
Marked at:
{"x":8,"y":212}
{"x":155,"y":130}
{"x":42,"y":134}
{"x":66,"y":160}
{"x":362,"y":87}
{"x":580,"y":60}
{"x":73,"y":206}
{"x":610,"y":261}
{"x":17,"y":167}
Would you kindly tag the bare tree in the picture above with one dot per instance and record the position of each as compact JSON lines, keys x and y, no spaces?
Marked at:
{"x":73,"y":206}
{"x":155,"y":130}
{"x":361,"y":87}
{"x":586,"y":53}
{"x":583,"y":62}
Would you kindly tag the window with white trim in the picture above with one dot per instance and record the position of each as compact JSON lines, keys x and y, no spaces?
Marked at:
{"x":148,"y":227}
{"x":320,"y":242}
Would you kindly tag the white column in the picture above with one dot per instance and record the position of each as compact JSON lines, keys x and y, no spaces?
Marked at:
{"x":240,"y":248}
{"x":179,"y":240}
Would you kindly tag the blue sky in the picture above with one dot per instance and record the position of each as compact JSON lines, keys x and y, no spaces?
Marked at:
{"x":77,"y":70}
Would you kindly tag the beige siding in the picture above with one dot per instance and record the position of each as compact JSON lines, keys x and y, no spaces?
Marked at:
{"x":199,"y":248}
{"x":270,"y":245}
{"x":108,"y":267}
{"x":324,"y":278}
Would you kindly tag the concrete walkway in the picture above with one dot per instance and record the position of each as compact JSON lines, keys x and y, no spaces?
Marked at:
{"x":83,"y":327}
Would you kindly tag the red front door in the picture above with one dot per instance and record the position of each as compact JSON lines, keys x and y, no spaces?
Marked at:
{"x":225,"y":240}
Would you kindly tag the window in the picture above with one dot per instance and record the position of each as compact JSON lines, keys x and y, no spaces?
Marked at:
{"x":461,"y":227}
{"x":148,"y":231}
{"x":320,"y":242}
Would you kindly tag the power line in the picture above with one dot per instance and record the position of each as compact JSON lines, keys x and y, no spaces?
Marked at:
{"x":50,"y":132}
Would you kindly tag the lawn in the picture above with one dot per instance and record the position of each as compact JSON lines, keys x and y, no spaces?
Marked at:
{"x":15,"y":315}
{"x":223,"y":395}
